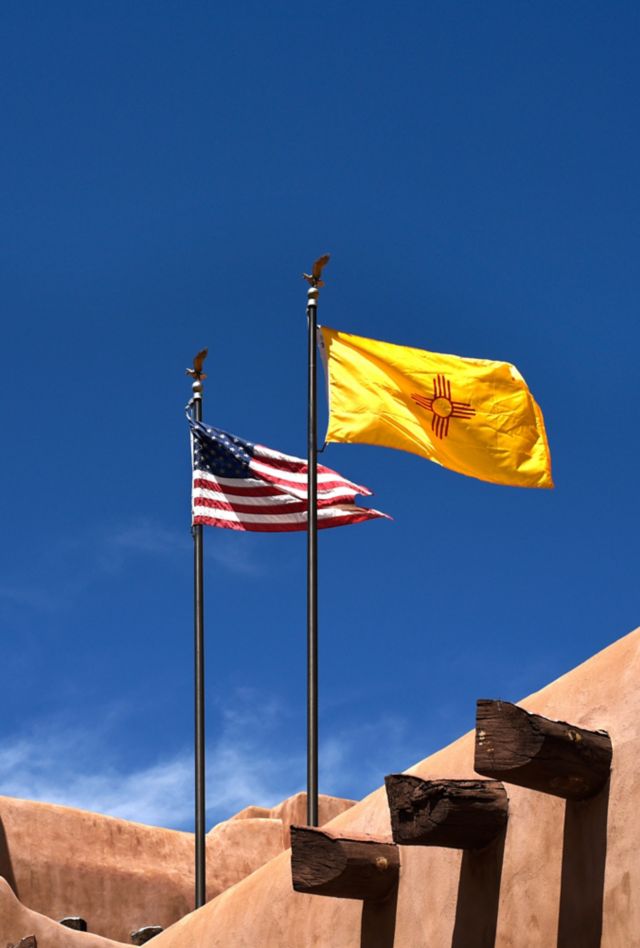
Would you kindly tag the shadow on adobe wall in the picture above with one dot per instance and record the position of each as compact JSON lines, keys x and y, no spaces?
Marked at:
{"x":584,"y":856}
{"x":479,"y":896}
{"x":6,"y":869}
{"x":378,"y":926}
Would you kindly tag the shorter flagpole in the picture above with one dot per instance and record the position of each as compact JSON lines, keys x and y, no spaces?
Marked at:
{"x":198,"y":617}
{"x":315,"y":282}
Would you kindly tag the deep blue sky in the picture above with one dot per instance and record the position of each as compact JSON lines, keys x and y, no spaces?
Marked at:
{"x":168,"y":170}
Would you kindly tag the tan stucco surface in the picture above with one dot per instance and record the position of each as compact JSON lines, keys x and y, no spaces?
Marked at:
{"x":17,"y":921}
{"x":566,"y":876}
{"x":293,"y":811}
{"x":116,"y":874}
{"x":570,"y":873}
{"x":121,"y":876}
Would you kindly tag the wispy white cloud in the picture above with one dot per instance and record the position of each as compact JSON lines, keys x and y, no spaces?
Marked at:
{"x":236,"y":552}
{"x":146,"y":536}
{"x":30,"y":595}
{"x":356,"y":758}
{"x":70,"y":567}
{"x":247,"y":762}
{"x":46,"y":768}
{"x":73,"y":765}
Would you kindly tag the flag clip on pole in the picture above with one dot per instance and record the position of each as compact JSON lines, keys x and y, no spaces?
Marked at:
{"x":198,"y":617}
{"x":314,"y":279}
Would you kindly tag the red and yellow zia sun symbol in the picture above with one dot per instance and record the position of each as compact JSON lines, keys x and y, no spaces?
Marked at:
{"x":443,"y":406}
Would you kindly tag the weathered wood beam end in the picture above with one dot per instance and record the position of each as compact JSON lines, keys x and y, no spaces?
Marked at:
{"x":342,"y":867}
{"x":531,"y":751}
{"x":75,"y":922}
{"x":145,"y":934}
{"x":458,"y":814}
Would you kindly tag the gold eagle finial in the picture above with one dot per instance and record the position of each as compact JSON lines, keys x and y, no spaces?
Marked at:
{"x":315,"y":277}
{"x":196,"y":372}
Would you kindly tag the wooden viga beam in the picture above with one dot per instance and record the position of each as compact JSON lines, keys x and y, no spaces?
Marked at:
{"x":343,"y":867}
{"x":458,"y":814}
{"x":531,"y":751}
{"x":145,"y":934}
{"x":74,"y":921}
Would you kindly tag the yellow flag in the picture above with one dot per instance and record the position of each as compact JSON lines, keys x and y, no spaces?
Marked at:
{"x":474,"y":416}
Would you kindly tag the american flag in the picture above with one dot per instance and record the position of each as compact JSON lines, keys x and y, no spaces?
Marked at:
{"x":245,"y":486}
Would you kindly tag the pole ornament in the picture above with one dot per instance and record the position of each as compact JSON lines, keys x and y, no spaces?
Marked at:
{"x":197,"y":374}
{"x":314,"y":279}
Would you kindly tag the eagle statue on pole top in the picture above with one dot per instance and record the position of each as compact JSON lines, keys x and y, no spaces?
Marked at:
{"x":315,"y":277}
{"x":196,"y":372}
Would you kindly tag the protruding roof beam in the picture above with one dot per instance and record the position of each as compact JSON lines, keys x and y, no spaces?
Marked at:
{"x":75,"y":922}
{"x":343,"y":867}
{"x":143,"y":935}
{"x":458,"y":814}
{"x":531,"y":751}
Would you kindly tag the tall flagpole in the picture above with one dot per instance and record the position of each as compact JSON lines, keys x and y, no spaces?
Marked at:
{"x":315,"y":282}
{"x":198,"y":617}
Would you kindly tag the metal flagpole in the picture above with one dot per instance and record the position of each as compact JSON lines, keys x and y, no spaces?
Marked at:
{"x":315,"y":282}
{"x":198,"y":615}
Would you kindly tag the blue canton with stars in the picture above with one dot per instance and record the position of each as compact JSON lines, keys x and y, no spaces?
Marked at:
{"x":220,"y":453}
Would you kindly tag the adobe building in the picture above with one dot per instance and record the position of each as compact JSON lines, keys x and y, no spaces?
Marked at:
{"x":540,"y":849}
{"x":120,"y":876}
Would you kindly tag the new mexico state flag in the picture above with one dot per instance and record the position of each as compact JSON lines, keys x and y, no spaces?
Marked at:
{"x":471,"y":415}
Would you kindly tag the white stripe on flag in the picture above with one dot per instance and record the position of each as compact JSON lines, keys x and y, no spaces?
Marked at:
{"x":279,"y":497}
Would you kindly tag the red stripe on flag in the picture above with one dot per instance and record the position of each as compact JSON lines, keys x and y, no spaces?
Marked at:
{"x":267,"y":510}
{"x":286,"y":527}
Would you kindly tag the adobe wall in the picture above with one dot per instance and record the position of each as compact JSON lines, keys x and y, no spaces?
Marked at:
{"x":120,"y":875}
{"x":568,"y":875}
{"x":17,"y":922}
